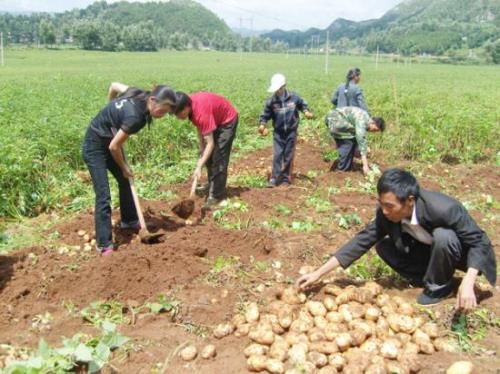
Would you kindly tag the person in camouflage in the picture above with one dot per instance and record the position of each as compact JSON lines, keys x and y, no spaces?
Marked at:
{"x":348,"y":127}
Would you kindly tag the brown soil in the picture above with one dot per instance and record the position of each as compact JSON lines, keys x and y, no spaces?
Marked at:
{"x":44,"y":278}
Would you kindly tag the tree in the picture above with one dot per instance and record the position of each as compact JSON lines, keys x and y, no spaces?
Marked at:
{"x":110,"y":36}
{"x":139,"y":37}
{"x":88,"y":35}
{"x":46,"y":32}
{"x":493,"y":51}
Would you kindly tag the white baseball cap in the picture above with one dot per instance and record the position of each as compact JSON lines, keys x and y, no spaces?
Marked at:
{"x":277,"y":81}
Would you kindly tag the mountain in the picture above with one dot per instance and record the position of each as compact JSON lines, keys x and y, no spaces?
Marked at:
{"x":413,"y":26}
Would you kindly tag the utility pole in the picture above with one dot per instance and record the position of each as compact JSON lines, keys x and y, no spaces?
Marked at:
{"x":376,"y":59}
{"x":1,"y":49}
{"x":327,"y":50}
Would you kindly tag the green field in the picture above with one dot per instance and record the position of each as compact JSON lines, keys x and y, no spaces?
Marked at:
{"x":47,"y":98}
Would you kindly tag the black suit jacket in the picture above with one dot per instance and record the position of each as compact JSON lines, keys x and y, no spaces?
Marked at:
{"x":434,"y":210}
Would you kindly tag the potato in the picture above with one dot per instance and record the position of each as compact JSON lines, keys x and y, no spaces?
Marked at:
{"x":427,"y":347}
{"x":376,"y":369}
{"x":401,"y":323}
{"x":389,"y":349}
{"x":398,"y":300}
{"x":255,"y":349}
{"x":460,"y":367}
{"x":326,"y":348}
{"x":242,"y":330}
{"x":343,"y":341}
{"x":279,"y":349}
{"x":352,"y":369}
{"x":362,"y":325}
{"x":403,"y":338}
{"x":275,"y":366}
{"x":333,"y":290}
{"x":318,"y":359}
{"x":410,"y":349}
{"x":332,"y":330}
{"x":345,"y":311}
{"x":373,"y":287}
{"x":372,"y":313}
{"x":285,"y":317}
{"x":337,"y":361}
{"x":382,"y":299}
{"x":445,"y":345}
{"x":335,"y":317}
{"x":431,"y":329}
{"x":412,"y":362}
{"x":291,"y":296}
{"x":223,"y":330}
{"x":420,"y":337}
{"x":189,"y":353}
{"x":327,"y":370}
{"x":406,"y":309}
{"x":320,"y":322}
{"x":303,"y":323}
{"x":358,"y":337}
{"x":395,"y":367}
{"x":257,"y":363}
{"x":238,"y":319}
{"x":252,"y":313}
{"x":370,"y":346}
{"x":382,"y":328}
{"x":208,"y":352}
{"x":316,"y":308}
{"x":330,"y":303}
{"x":316,"y":335}
{"x":297,"y":354}
{"x":293,"y":338}
{"x":262,"y":335}
{"x":357,"y":310}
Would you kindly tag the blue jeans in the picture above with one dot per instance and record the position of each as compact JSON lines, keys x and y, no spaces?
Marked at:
{"x":283,"y":152}
{"x":96,"y":154}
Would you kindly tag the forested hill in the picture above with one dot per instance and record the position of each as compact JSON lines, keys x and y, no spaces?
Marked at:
{"x":412,"y":27}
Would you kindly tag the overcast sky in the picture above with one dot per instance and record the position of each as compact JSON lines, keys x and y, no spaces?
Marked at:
{"x":266,"y":14}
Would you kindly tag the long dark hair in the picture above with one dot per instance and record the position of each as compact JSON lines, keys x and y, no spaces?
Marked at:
{"x":351,"y":74}
{"x":182,"y":101}
{"x":163,"y":94}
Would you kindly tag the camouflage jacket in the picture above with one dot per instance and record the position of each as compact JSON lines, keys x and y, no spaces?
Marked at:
{"x":349,"y":123}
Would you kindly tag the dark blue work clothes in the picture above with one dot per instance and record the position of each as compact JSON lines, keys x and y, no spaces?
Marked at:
{"x":352,"y":95}
{"x":284,"y":112}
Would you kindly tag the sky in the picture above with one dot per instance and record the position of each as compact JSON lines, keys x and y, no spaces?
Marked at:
{"x":255,"y":14}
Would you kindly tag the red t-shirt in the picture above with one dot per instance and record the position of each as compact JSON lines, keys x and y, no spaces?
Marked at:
{"x":209,"y":111}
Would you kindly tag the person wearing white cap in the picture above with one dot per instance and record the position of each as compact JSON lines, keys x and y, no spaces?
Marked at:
{"x":283,"y":108}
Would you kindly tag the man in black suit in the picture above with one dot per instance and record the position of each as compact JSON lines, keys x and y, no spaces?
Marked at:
{"x":424,"y":236}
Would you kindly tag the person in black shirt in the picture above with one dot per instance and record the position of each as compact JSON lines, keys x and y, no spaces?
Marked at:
{"x":128,"y":111}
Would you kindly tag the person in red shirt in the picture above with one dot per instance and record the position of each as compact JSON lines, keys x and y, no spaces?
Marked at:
{"x":216,"y":121}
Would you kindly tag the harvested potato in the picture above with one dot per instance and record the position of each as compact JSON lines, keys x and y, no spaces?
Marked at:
{"x":382,"y":328}
{"x":297,"y":354}
{"x":285,"y":317}
{"x":337,"y":361}
{"x":404,"y":338}
{"x":382,"y":299}
{"x":358,"y":337}
{"x":223,"y":330}
{"x":208,"y":352}
{"x":316,"y":335}
{"x":262,"y":335}
{"x":320,"y":322}
{"x":317,"y":358}
{"x":335,"y":317}
{"x":411,"y":361}
{"x":290,"y":296}
{"x":445,"y":345}
{"x":343,"y":341}
{"x":352,"y":369}
{"x":333,"y":290}
{"x":431,"y":329}
{"x":242,"y":330}
{"x":275,"y":366}
{"x":395,"y":367}
{"x":357,"y":310}
{"x":374,"y":288}
{"x":376,"y":369}
{"x":420,"y":337}
{"x":406,"y":309}
{"x":189,"y":353}
{"x":401,"y":323}
{"x":460,"y":367}
{"x":326,"y":348}
{"x":345,"y":311}
{"x":370,"y":346}
{"x":252,"y":313}
{"x":389,"y":349}
{"x":332,"y":330}
{"x":362,"y":325}
{"x":255,"y":349}
{"x":372,"y":313}
{"x":410,"y":349}
{"x":330,"y":303}
{"x":303,"y":323}
{"x":293,"y":338}
{"x":279,"y":349}
{"x":238,"y":319}
{"x":327,"y":370}
{"x":257,"y":363}
{"x":316,"y":308}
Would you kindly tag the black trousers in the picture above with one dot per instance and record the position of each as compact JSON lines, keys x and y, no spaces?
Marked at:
{"x":218,"y":162}
{"x":283,"y":153}
{"x":433,"y":265}
{"x":99,"y":160}
{"x":347,"y":149}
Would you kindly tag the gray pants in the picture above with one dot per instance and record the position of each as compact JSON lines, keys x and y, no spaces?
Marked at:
{"x":433,"y":266}
{"x":218,"y":162}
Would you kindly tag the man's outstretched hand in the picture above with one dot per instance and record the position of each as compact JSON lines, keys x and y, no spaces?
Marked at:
{"x":307,"y":280}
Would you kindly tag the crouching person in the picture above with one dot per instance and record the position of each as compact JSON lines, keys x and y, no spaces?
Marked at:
{"x":424,"y":236}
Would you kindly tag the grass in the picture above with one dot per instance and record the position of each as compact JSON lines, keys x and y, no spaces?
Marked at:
{"x":469,"y":329}
{"x":47,"y":99}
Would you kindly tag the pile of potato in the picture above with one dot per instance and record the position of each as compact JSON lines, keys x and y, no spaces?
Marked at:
{"x":351,"y":330}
